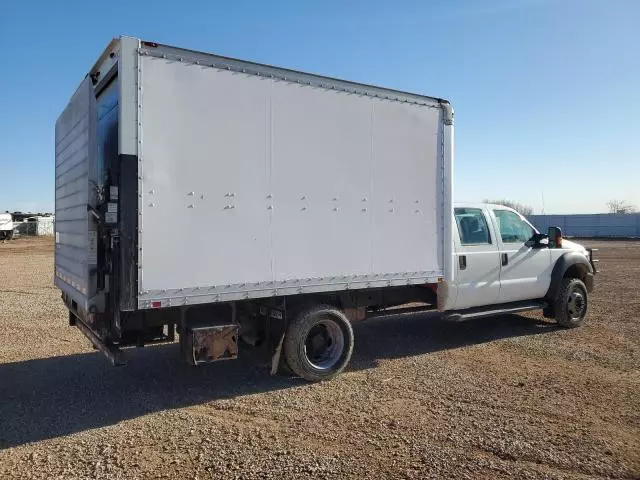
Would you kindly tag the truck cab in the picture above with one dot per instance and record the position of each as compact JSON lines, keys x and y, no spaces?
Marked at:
{"x":501,"y":260}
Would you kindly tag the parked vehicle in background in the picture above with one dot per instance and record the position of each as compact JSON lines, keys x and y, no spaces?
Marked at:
{"x":6,"y":226}
{"x":313,"y":202}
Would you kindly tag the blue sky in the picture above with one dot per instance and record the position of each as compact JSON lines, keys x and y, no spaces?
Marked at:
{"x":546,"y":92}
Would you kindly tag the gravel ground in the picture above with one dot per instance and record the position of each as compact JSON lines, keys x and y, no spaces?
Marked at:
{"x":504,"y":397}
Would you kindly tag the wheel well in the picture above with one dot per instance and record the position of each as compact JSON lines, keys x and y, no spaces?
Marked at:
{"x":576,"y":271}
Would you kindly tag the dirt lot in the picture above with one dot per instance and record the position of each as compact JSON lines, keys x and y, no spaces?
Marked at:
{"x":507,"y":397}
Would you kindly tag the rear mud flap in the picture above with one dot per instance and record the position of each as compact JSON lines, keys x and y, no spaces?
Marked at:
{"x":209,"y":344}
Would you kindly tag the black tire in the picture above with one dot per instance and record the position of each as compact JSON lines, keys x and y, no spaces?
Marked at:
{"x":548,"y":312}
{"x":318,"y":343}
{"x":571,"y":303}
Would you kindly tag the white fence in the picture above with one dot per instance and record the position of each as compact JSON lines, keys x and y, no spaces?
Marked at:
{"x":35,"y":226}
{"x":604,"y":225}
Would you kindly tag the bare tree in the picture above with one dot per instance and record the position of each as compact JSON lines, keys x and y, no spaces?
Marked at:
{"x":518,"y":207}
{"x":620,"y":207}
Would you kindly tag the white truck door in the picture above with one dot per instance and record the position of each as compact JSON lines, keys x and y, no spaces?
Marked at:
{"x":477,"y":259}
{"x":525,"y":272}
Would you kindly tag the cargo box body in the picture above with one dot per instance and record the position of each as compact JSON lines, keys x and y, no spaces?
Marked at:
{"x":248,"y":180}
{"x":185,"y":178}
{"x":258,"y":186}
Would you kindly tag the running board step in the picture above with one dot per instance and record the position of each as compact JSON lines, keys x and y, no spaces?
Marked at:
{"x":400,"y":311}
{"x":493,"y":310}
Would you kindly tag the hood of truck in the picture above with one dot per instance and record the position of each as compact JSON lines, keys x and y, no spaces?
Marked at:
{"x":569,"y":245}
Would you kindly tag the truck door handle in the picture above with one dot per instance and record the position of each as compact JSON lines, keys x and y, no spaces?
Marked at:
{"x":462,"y":260}
{"x":505,"y":259}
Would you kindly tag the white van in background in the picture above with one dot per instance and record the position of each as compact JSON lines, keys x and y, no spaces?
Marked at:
{"x":6,"y":226}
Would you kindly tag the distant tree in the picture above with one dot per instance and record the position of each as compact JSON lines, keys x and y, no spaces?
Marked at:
{"x":524,"y":210}
{"x":620,"y":207}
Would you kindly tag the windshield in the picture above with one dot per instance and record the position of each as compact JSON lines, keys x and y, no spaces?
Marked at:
{"x":513,"y":228}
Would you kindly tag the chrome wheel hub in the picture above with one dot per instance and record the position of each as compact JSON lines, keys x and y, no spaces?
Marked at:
{"x":324,"y":344}
{"x":576,"y":304}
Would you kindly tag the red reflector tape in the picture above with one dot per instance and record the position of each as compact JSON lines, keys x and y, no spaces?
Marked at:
{"x":156,"y":304}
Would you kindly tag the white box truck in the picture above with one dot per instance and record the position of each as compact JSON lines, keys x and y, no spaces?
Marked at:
{"x":227,"y":200}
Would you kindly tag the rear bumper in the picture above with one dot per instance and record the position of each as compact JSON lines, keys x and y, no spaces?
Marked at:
{"x":88,"y":324}
{"x":112,"y":352}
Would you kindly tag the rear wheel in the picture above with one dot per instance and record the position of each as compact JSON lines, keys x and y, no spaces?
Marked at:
{"x":318,"y":343}
{"x":571,"y":304}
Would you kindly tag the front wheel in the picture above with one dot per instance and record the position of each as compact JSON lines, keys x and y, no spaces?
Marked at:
{"x":571,"y":304}
{"x":318,"y":343}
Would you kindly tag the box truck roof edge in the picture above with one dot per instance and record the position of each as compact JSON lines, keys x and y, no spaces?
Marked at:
{"x":111,"y":53}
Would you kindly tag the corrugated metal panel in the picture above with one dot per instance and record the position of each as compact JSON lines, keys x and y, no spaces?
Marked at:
{"x":590,"y":225}
{"x":75,"y":144}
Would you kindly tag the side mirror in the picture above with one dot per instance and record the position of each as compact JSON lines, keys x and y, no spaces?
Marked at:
{"x":555,"y":237}
{"x":539,"y":240}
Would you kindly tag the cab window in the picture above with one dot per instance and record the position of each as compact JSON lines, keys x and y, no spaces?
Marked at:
{"x":472,"y":226}
{"x":512,"y":228}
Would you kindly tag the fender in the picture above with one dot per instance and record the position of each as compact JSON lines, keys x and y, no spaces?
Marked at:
{"x":564,"y":263}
